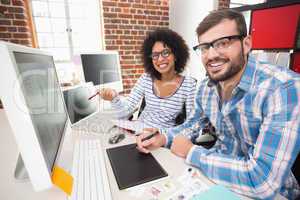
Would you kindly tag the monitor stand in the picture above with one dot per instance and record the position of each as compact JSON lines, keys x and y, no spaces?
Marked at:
{"x":20,"y":171}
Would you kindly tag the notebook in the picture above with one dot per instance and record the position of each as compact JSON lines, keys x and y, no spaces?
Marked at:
{"x":132,"y":168}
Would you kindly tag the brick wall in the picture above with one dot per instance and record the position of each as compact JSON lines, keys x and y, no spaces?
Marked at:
{"x":14,"y":22}
{"x":223,"y":4}
{"x":126,"y":23}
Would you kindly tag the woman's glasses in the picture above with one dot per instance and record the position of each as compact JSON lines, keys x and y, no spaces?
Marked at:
{"x":164,"y":53}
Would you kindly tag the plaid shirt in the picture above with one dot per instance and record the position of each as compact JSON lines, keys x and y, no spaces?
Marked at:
{"x":258,"y":132}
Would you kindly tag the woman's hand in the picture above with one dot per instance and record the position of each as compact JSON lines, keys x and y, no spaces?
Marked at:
{"x":108,"y":94}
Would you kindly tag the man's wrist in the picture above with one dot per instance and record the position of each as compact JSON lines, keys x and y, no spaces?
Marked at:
{"x":165,"y":138}
{"x":190,"y":153}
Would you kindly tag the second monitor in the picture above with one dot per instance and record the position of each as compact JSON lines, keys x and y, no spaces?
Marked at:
{"x":103,"y":69}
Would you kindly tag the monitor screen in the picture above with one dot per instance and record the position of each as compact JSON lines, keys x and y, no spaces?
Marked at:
{"x":101,"y":68}
{"x":78,"y":104}
{"x":44,"y":101}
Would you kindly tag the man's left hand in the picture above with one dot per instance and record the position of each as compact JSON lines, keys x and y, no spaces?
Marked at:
{"x":181,"y":146}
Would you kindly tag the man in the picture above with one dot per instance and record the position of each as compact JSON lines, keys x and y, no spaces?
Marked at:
{"x":254,"y":107}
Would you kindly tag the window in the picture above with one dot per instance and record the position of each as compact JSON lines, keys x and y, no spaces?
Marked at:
{"x":67,"y":27}
{"x":238,"y":3}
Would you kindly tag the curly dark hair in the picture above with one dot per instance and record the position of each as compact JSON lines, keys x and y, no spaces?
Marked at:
{"x":173,"y":41}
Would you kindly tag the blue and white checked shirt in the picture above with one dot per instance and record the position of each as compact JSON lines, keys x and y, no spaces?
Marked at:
{"x":258,"y":132}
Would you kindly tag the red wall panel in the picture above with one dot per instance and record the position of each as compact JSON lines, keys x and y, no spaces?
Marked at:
{"x":275,"y":28}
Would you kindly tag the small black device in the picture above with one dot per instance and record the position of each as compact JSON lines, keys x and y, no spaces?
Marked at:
{"x":116,"y":138}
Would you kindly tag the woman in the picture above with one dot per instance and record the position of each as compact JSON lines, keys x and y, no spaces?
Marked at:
{"x":165,"y":90}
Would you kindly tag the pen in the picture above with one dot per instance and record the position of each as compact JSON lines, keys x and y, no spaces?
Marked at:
{"x":150,"y":136}
{"x":93,"y":96}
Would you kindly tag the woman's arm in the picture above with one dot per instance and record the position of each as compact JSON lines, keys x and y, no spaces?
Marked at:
{"x":127,"y":105}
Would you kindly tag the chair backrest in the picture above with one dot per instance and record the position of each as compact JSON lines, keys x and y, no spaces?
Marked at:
{"x":208,"y":137}
{"x":296,"y":166}
{"x":180,"y":118}
{"x":142,"y":106}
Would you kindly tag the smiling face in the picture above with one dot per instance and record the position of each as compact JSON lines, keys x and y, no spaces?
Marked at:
{"x":224,"y":64}
{"x":165,"y":62}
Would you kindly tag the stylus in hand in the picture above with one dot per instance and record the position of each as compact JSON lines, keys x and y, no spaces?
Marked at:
{"x":93,"y":96}
{"x":148,"y":137}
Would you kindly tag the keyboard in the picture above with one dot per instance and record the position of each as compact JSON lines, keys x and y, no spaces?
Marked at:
{"x":89,"y":171}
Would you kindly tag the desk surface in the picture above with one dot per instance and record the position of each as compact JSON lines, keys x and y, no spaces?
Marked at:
{"x":12,"y":189}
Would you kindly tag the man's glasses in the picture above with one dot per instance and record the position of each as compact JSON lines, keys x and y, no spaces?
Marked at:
{"x":164,"y":53}
{"x":218,"y":44}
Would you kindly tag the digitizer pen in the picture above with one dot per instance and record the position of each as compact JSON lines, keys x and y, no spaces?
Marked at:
{"x":150,"y":136}
{"x":93,"y":96}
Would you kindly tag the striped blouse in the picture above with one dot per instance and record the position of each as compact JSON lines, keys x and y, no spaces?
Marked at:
{"x":159,"y":112}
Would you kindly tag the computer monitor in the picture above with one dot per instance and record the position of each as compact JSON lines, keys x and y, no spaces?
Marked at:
{"x":103,"y":69}
{"x":34,"y":106}
{"x":78,"y":104}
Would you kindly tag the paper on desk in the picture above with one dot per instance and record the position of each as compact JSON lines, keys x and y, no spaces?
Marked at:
{"x":189,"y":185}
{"x":136,"y":126}
{"x":186,"y":192}
{"x":137,"y":192}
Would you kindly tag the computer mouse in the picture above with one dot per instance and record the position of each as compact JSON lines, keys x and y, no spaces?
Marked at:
{"x":116,"y":138}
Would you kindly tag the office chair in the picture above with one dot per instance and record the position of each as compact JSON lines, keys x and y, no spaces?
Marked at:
{"x":208,"y":137}
{"x":296,"y":172}
{"x":296,"y":166}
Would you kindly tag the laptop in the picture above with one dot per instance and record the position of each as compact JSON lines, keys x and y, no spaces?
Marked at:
{"x":84,"y":113}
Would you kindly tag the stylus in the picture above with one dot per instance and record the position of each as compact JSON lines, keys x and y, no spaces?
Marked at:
{"x":149,"y":137}
{"x":93,"y":96}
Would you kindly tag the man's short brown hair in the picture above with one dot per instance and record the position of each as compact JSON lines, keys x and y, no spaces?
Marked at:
{"x":215,"y":17}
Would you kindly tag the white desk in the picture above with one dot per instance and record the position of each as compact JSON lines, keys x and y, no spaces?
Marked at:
{"x":14,"y":190}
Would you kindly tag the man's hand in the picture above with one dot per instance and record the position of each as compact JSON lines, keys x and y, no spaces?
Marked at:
{"x":153,"y":143}
{"x":108,"y":94}
{"x":181,"y":146}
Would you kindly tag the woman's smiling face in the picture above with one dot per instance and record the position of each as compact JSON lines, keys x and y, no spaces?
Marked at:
{"x":163,"y":59}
